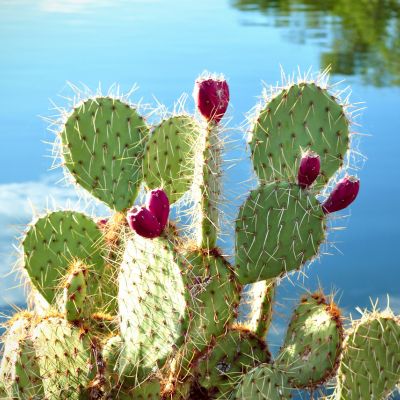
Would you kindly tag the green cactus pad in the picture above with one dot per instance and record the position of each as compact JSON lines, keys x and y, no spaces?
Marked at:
{"x":19,"y":371}
{"x":264,"y":382}
{"x":278,"y":229}
{"x":103,"y":144}
{"x":233,"y":354}
{"x":169,"y":156}
{"x":65,"y":358}
{"x":27,"y":382}
{"x":54,"y":242}
{"x":75,"y":291}
{"x":370,"y":365}
{"x":111,"y":353}
{"x":214,"y":300}
{"x":152,"y":305}
{"x":313,"y":343}
{"x":149,"y":390}
{"x":301,"y":117}
{"x":181,"y":391}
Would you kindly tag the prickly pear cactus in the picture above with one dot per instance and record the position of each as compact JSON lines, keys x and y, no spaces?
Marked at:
{"x":136,"y":306}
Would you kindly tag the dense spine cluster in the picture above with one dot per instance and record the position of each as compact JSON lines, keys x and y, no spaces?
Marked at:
{"x":133,"y":307}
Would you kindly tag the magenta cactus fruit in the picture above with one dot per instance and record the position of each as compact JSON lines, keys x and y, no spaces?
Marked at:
{"x":343,"y":195}
{"x":212,"y":98}
{"x":310,"y":166}
{"x":102,"y":222}
{"x":158,"y":204}
{"x":143,"y":222}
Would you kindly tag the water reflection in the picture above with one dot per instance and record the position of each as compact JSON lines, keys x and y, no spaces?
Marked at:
{"x":362,"y":37}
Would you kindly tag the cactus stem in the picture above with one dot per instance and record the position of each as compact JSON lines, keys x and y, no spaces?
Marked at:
{"x":208,"y":187}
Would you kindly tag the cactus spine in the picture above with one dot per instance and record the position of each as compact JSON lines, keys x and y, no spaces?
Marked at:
{"x":136,"y":308}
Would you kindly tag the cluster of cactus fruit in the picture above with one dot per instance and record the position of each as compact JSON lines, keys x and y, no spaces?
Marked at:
{"x":132,"y":307}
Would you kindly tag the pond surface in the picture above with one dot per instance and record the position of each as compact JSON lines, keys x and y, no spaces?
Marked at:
{"x":162,"y":46}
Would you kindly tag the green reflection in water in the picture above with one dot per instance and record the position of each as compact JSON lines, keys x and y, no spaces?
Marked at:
{"x":362,"y":36}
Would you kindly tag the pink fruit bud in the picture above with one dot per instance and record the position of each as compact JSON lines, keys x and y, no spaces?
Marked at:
{"x":310,"y":165}
{"x":158,"y":204}
{"x":143,"y":222}
{"x":343,"y":195}
{"x":212,"y":98}
{"x":102,"y":222}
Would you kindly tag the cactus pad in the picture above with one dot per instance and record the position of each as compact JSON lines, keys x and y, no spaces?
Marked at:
{"x":214,"y":300}
{"x":169,"y":156}
{"x":75,"y":291}
{"x":26,"y":377}
{"x":149,"y":390}
{"x":111,"y":353}
{"x":234,"y":354}
{"x":301,"y":117}
{"x":313,"y":342}
{"x":103,"y":146}
{"x":65,"y":358}
{"x":370,"y":365}
{"x":277,"y":217}
{"x":264,"y":382}
{"x":54,"y":242}
{"x":152,"y":305}
{"x":19,"y":372}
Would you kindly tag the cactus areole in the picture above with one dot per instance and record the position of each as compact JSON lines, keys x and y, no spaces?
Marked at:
{"x":134,"y":306}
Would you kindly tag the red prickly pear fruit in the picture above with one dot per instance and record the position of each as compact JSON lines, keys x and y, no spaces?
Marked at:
{"x":212,"y":97}
{"x":158,"y":204}
{"x":310,"y":166}
{"x":102,"y":222}
{"x":143,"y":222}
{"x":343,"y":195}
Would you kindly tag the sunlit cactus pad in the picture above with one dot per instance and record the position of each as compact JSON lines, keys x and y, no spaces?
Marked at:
{"x":214,"y":294}
{"x":169,"y":156}
{"x":54,"y":242}
{"x":313,"y":342}
{"x":103,"y":143}
{"x":219,"y":370}
{"x":264,"y":382}
{"x":65,"y":357}
{"x":279,"y":228}
{"x":153,"y":305}
{"x":370,"y":367}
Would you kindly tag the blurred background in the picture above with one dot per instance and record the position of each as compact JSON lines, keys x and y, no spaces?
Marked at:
{"x":162,"y":46}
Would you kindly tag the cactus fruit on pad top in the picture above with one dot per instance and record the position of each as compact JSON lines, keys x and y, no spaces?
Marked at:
{"x":303,"y":116}
{"x":134,"y":305}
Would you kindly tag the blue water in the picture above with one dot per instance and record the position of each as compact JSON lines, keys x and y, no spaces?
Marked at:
{"x":162,"y":46}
